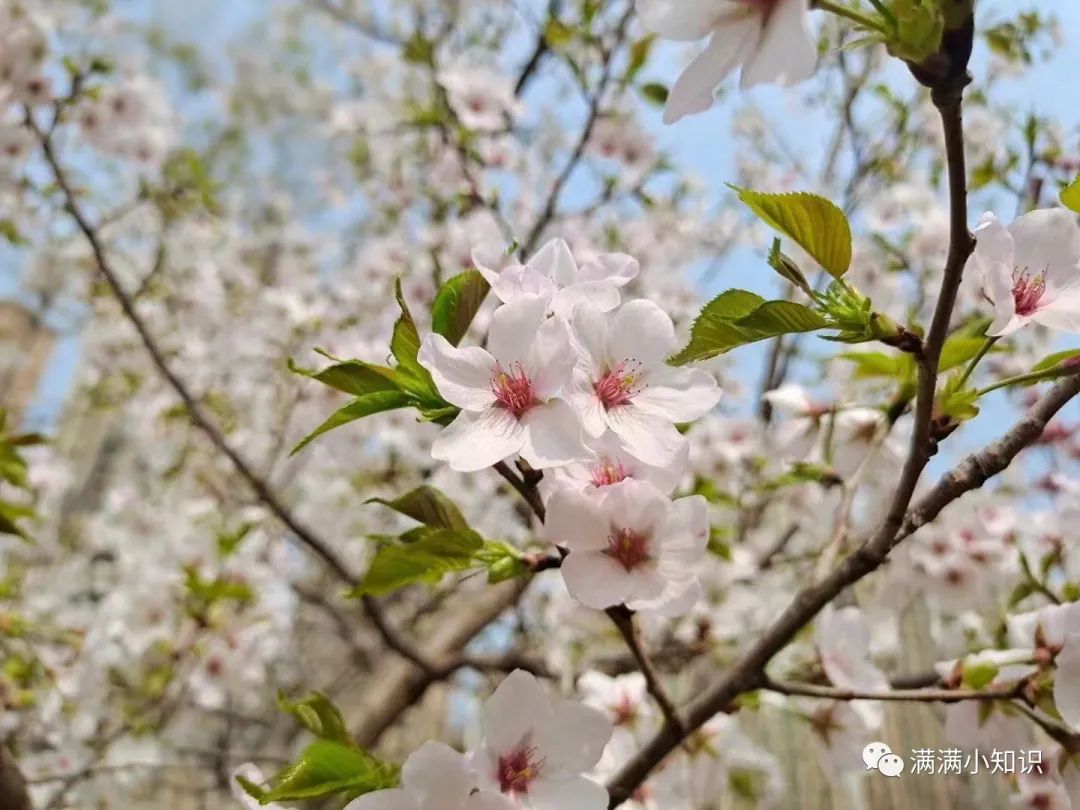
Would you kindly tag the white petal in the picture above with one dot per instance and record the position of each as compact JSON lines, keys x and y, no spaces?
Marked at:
{"x":787,"y":53}
{"x":577,"y":793}
{"x":642,"y":332}
{"x":486,"y":800}
{"x":571,"y":739}
{"x":685,"y":531}
{"x":550,"y":361}
{"x":693,"y":90}
{"x":576,"y":521}
{"x":789,"y":399}
{"x":513,"y":329}
{"x":618,"y":269}
{"x":1062,"y":313}
{"x":555,"y":261}
{"x":587,"y":404}
{"x":476,"y":441}
{"x":647,"y":438}
{"x":678,"y":394}
{"x":490,"y":259}
{"x":1067,"y":682}
{"x":646,"y":582}
{"x":603,"y":295}
{"x":1046,"y":239}
{"x":437,"y":773}
{"x":993,"y":242}
{"x":383,"y":800}
{"x":463,"y":376}
{"x":512,"y":711}
{"x":997,"y":284}
{"x":595,"y":579}
{"x":553,"y":436}
{"x":681,"y":20}
{"x":677,"y":599}
{"x":1006,"y":324}
{"x":590,"y":330}
{"x":636,"y":505}
{"x":520,"y":282}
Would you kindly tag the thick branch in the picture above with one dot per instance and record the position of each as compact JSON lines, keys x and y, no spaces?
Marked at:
{"x":14,"y":794}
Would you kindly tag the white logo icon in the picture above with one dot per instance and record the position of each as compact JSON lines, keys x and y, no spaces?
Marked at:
{"x":878,"y":756}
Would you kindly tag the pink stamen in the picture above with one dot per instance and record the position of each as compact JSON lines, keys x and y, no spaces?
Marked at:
{"x":1027,"y":290}
{"x":619,"y":385}
{"x":518,"y":770}
{"x":513,"y":390}
{"x":628,"y":548}
{"x":608,"y":472}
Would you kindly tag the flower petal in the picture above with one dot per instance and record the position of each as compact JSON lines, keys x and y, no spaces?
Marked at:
{"x":680,"y":20}
{"x":519,"y":282}
{"x":383,"y":800}
{"x":595,"y":579}
{"x":1067,"y":682}
{"x":437,"y":773}
{"x":618,"y":269}
{"x":686,"y":530}
{"x":475,"y":441}
{"x":571,"y":739}
{"x":513,"y":329}
{"x":555,"y":261}
{"x":1062,"y":313}
{"x":576,"y":521}
{"x":587,"y":404}
{"x":787,"y":52}
{"x":513,"y":710}
{"x":643,"y":332}
{"x":693,"y":90}
{"x":603,"y":295}
{"x":678,"y":394}
{"x":993,"y":242}
{"x":486,"y":800}
{"x":646,"y":437}
{"x":550,"y":361}
{"x":463,"y":376}
{"x":577,"y":793}
{"x":636,"y":505}
{"x":553,"y":436}
{"x":678,"y":597}
{"x":1046,"y":239}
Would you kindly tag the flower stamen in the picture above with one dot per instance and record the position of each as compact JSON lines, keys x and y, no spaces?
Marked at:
{"x":518,"y":770}
{"x":619,"y":385}
{"x":1027,"y":290}
{"x":608,"y":472}
{"x":513,"y":390}
{"x":628,"y":548}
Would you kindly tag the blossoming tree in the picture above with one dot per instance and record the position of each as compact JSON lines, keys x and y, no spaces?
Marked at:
{"x":418,"y":461}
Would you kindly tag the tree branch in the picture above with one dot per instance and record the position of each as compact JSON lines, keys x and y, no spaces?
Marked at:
{"x":795,"y":688}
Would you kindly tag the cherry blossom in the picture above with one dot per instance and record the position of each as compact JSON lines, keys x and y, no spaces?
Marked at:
{"x":1030,"y":270}
{"x":434,"y":777}
{"x":554,"y":273}
{"x":612,"y":465}
{"x":631,"y":545}
{"x":508,"y":392}
{"x":769,"y":39}
{"x":624,"y":384}
{"x":534,"y":749}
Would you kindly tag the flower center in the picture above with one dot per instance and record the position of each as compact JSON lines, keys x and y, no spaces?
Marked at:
{"x":619,"y":385}
{"x":608,"y":472}
{"x":1027,"y":290}
{"x":628,"y":548}
{"x":518,"y":770}
{"x":513,"y":390}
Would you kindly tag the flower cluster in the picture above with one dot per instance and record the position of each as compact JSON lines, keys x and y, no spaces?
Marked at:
{"x":573,"y":380}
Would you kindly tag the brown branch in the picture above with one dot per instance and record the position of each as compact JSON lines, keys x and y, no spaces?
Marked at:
{"x":14,"y":794}
{"x":623,"y":619}
{"x":794,"y":688}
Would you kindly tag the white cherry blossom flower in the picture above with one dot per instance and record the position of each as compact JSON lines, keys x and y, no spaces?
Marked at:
{"x":482,"y":98}
{"x":534,"y":750}
{"x":508,"y":393}
{"x":623,"y":382}
{"x":434,"y":777}
{"x":553,"y":272}
{"x":630,"y":546}
{"x":1030,"y":270}
{"x":1067,"y":681}
{"x":612,"y":465}
{"x":770,"y":39}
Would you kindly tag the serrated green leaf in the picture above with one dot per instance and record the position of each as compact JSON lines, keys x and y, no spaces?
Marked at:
{"x":456,"y":304}
{"x":738,"y":317}
{"x":814,"y":223}
{"x":367,"y":405}
{"x":405,"y":346}
{"x":424,"y":561}
{"x":327,"y":768}
{"x":352,"y":376}
{"x":1070,"y":196}
{"x":429,"y":506}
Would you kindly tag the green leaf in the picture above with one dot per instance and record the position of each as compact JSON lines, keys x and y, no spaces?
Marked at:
{"x":425,"y":561}
{"x":814,"y":223}
{"x":327,"y":768}
{"x":879,"y":364}
{"x":979,"y":675}
{"x":9,"y":232}
{"x":502,"y":561}
{"x":1054,"y":360}
{"x":737,"y":317}
{"x":405,"y":345}
{"x":352,"y":376}
{"x":377,"y":402}
{"x":959,"y":350}
{"x":456,"y":305}
{"x":428,"y":506}
{"x":1070,"y":196}
{"x":320,"y":716}
{"x":10,"y":513}
{"x":956,"y":400}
